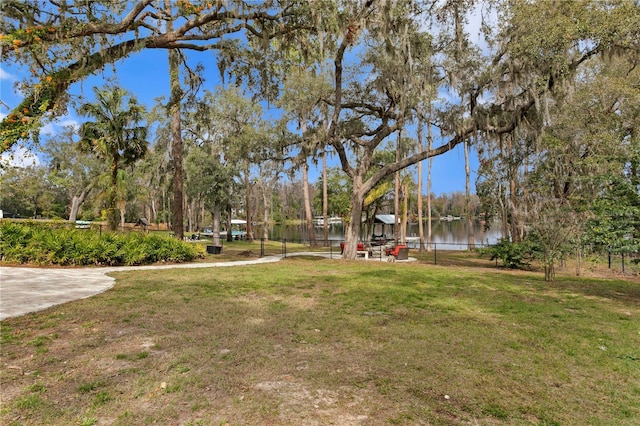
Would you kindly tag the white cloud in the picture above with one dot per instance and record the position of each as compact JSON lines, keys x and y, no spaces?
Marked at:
{"x":69,"y":122}
{"x":8,"y":91}
{"x":4,"y":75}
{"x":19,"y":157}
{"x":58,"y":125}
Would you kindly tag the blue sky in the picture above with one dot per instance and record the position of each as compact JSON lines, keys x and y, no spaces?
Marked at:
{"x":146,"y":76}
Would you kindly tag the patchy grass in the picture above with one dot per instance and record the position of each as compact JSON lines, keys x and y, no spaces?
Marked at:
{"x":306,"y":342}
{"x":243,"y":250}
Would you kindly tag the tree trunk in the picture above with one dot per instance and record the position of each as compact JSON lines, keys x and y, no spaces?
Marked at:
{"x":112,"y":214}
{"x":307,"y":203}
{"x":420,"y":206}
{"x":76,"y":202}
{"x":122,"y":209}
{"x":513,"y":202}
{"x":166,"y":205}
{"x":308,"y":214}
{"x":34,"y":201}
{"x":513,"y":193}
{"x":325,"y":199}
{"x":578,"y":260}
{"x":352,"y":230}
{"x":176,"y":134}
{"x":429,"y":167}
{"x":202,"y":216}
{"x":247,"y":200}
{"x":189,"y":216}
{"x":405,"y":212}
{"x":467,"y":196}
{"x":549,"y":267}
{"x":193,"y":213}
{"x":396,"y":196}
{"x":504,"y":217}
{"x":229,"y":230}
{"x":154,"y":211}
{"x":266,"y":215}
{"x":215,"y":225}
{"x":502,"y":194}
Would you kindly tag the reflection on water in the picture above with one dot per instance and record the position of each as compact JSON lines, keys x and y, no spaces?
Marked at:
{"x":446,"y":235}
{"x":453,"y":235}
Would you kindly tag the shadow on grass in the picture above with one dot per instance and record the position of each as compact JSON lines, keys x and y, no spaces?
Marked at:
{"x":625,"y":291}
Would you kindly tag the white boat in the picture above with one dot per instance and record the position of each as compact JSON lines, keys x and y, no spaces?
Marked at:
{"x":319,"y":220}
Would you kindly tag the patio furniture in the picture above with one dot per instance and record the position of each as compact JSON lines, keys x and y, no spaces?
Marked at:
{"x":399,"y":252}
{"x":362,"y":250}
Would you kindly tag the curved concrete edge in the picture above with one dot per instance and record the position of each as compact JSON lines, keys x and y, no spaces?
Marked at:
{"x":24,"y":290}
{"x":266,"y":259}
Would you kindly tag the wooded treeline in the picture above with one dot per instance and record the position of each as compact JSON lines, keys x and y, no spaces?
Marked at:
{"x":546,"y":92}
{"x":56,"y":188}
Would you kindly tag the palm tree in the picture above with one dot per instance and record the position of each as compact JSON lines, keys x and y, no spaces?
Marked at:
{"x":115,"y":136}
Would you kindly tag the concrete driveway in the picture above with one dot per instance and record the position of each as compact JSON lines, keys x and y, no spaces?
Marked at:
{"x":24,"y":290}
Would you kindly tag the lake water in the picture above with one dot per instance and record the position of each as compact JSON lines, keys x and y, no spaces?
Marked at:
{"x":446,"y":235}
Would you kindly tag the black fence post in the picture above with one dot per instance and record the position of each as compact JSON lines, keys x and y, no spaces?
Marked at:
{"x":284,"y":247}
{"x":623,"y":262}
{"x":435,"y":253}
{"x":261,"y":247}
{"x":609,"y":260}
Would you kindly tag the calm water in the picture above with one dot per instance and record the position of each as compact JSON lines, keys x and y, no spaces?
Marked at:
{"x":446,"y":235}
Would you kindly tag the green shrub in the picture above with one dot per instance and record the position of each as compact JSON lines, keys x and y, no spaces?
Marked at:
{"x":14,"y":240}
{"x":135,"y":251}
{"x":36,"y":243}
{"x":57,"y":246}
{"x":106,"y":250}
{"x":513,"y":255}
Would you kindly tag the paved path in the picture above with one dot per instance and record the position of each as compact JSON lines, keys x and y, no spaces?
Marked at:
{"x":24,"y":290}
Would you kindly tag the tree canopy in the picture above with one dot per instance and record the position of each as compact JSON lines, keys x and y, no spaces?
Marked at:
{"x":117,"y":135}
{"x":61,"y":43}
{"x":538,"y":90}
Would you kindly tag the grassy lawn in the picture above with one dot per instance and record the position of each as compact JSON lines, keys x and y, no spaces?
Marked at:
{"x":311,"y":341}
{"x":243,"y":250}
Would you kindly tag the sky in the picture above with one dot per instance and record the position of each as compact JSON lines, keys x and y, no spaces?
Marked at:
{"x":145,"y":75}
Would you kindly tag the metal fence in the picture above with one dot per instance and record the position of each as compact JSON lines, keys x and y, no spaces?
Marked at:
{"x":436,"y":253}
{"x":449,"y":253}
{"x":622,"y":262}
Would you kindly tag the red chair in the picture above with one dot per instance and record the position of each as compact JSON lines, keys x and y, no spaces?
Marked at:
{"x":360,"y":247}
{"x":395,"y":252}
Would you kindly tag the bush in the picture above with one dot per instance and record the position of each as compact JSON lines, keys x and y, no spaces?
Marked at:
{"x":513,"y":255}
{"x":41,"y":244}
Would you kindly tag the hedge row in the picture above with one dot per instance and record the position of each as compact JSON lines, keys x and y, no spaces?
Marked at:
{"x":40,"y":244}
